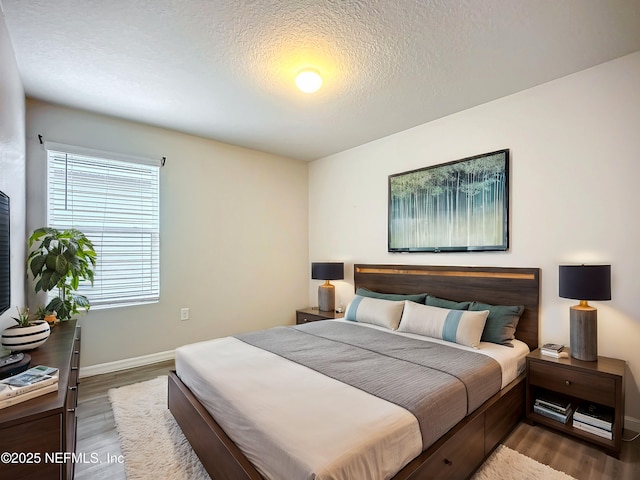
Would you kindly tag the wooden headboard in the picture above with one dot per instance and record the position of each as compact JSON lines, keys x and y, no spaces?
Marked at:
{"x":493,"y":285}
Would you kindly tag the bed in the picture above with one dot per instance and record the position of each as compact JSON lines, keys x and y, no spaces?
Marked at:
{"x":453,"y":453}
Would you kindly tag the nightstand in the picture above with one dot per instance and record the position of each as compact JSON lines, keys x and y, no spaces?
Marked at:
{"x":600,"y":382}
{"x":312,"y":314}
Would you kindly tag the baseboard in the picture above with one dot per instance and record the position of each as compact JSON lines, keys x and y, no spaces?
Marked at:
{"x":632,"y":424}
{"x":126,"y":363}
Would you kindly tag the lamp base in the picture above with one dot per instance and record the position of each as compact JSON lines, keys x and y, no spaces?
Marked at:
{"x":326,"y":297}
{"x":583,"y":334}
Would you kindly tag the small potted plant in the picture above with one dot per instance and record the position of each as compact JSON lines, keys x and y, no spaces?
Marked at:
{"x":48,"y":316}
{"x":27,"y":334}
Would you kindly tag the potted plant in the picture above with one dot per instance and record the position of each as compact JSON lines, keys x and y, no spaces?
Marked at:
{"x":47,"y":315}
{"x":27,"y":334}
{"x":61,"y":260}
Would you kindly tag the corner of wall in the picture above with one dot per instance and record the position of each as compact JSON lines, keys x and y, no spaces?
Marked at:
{"x":13,"y":164}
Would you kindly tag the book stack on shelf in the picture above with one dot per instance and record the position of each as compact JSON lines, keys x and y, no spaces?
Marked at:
{"x":594,"y":419}
{"x":552,"y":350}
{"x":553,"y":406}
{"x":29,"y":384}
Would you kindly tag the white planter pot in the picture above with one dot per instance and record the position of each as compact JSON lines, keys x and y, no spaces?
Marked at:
{"x":26,"y":338}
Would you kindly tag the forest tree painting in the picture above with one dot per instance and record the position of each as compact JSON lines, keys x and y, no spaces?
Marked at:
{"x":452,"y":207}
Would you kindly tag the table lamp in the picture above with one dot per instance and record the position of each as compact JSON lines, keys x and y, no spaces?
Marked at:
{"x":327,"y":292}
{"x":584,"y":283}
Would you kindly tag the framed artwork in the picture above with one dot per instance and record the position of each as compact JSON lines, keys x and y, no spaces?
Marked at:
{"x":460,"y":206}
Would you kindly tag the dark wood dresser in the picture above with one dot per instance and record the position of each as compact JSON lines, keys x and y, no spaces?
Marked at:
{"x":40,"y":434}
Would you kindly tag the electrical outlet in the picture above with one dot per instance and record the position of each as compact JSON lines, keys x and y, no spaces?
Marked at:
{"x":184,"y":314}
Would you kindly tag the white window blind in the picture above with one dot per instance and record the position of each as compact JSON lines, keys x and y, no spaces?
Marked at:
{"x":116,"y":204}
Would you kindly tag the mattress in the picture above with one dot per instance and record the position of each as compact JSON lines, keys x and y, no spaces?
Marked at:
{"x":294,"y":422}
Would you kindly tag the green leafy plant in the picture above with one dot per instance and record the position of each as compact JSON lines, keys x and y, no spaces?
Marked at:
{"x":23,"y":317}
{"x":61,"y":260}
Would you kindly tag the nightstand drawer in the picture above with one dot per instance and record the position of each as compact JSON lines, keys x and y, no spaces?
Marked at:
{"x":307,"y":317}
{"x":568,"y":381}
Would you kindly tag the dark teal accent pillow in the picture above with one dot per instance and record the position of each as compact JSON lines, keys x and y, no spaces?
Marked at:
{"x":501,"y":323}
{"x":365,"y":292}
{"x":443,"y":303}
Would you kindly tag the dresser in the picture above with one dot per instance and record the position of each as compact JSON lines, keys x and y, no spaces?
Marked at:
{"x":40,"y":434}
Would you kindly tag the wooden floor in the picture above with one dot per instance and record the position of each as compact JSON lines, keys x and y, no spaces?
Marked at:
{"x":97,"y":435}
{"x":96,"y":426}
{"x":573,"y":457}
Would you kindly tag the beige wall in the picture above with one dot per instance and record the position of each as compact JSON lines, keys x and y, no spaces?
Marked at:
{"x":575,"y":165}
{"x":233,"y":234}
{"x":12,"y":166}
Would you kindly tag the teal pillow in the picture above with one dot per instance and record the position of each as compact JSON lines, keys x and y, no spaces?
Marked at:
{"x":501,"y":323}
{"x":443,"y":303}
{"x":365,"y":292}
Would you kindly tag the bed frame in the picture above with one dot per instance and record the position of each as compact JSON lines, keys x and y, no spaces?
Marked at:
{"x":461,"y":450}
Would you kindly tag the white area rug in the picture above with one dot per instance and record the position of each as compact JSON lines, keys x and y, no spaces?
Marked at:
{"x":152,"y":443}
{"x":155,"y":448}
{"x":507,"y":464}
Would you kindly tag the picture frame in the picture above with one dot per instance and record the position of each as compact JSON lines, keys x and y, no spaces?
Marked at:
{"x":459,"y":206}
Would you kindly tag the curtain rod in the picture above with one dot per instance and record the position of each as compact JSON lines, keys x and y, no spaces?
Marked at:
{"x":162,"y":162}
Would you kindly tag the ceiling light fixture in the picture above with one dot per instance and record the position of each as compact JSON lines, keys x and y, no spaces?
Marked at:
{"x":308,"y":81}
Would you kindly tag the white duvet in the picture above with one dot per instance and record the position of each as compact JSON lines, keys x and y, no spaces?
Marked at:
{"x":293,"y":423}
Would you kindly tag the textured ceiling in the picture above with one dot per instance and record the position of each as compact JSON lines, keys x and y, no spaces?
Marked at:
{"x":224,"y":69}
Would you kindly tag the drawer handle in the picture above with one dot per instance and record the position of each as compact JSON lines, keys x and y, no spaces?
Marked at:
{"x":73,"y":388}
{"x":77,"y":352}
{"x":305,"y":320}
{"x":74,"y":368}
{"x":448,"y":462}
{"x":567,"y":383}
{"x":71,"y":410}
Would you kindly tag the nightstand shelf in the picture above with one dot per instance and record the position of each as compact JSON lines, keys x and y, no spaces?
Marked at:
{"x":600,"y":382}
{"x":312,"y":314}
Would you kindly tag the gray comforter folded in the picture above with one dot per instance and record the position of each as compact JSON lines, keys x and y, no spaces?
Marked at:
{"x":438,"y":384}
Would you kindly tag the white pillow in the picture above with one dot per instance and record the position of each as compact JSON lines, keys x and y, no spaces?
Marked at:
{"x":459,"y":326}
{"x":385,"y":313}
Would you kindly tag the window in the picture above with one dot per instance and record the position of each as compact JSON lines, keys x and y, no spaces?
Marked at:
{"x":114,"y":200}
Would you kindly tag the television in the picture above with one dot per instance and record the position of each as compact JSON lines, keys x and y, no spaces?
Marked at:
{"x":5,"y":247}
{"x":459,"y":206}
